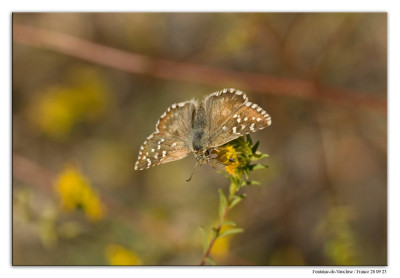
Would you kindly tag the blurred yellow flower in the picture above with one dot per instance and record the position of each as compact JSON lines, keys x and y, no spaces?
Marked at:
{"x":118,"y":255}
{"x":227,"y":155}
{"x":74,"y":191}
{"x":58,"y":109}
{"x":221,"y":246}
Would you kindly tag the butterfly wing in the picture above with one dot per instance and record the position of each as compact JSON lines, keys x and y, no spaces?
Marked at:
{"x":231,"y":115}
{"x":171,"y":139}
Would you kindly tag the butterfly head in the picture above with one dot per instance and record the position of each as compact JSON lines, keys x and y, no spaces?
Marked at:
{"x":204,"y":156}
{"x":211,"y":155}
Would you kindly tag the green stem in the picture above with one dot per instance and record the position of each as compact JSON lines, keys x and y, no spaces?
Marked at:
{"x":218,"y":229}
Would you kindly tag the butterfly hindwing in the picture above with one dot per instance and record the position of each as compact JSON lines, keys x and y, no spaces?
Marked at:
{"x":157,"y":150}
{"x":170,"y":140}
{"x":176,"y":121}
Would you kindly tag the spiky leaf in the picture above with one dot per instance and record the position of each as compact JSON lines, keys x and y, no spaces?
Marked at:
{"x":231,"y":232}
{"x":210,"y":261}
{"x":205,"y":238}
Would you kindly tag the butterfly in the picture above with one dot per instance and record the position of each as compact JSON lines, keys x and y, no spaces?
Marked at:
{"x":199,"y":128}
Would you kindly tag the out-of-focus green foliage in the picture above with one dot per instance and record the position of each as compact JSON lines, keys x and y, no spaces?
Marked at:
{"x":340,"y":245}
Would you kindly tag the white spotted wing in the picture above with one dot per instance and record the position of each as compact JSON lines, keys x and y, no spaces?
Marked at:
{"x":170,"y":140}
{"x":231,"y":115}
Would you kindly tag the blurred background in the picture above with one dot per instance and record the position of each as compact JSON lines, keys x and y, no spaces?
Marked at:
{"x":88,"y":88}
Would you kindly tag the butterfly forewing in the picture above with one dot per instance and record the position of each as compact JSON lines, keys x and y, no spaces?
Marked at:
{"x":170,"y":140}
{"x":176,"y":121}
{"x":244,"y":118}
{"x":220,"y":106}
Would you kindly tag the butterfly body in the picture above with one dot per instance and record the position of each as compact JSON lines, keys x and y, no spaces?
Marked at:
{"x":199,"y":128}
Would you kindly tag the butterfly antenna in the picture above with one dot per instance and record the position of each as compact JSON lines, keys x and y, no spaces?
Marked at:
{"x":191,"y":175}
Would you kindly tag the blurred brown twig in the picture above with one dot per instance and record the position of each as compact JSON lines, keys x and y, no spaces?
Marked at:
{"x":172,"y":70}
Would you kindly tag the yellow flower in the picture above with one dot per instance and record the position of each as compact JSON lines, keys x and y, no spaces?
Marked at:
{"x":58,"y":109}
{"x":228,"y":156}
{"x":74,"y":191}
{"x":221,"y":246}
{"x":118,"y":255}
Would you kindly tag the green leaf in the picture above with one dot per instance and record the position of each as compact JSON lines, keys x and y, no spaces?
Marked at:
{"x":229,"y":223}
{"x":232,"y":188}
{"x":224,"y":174}
{"x":246,"y":173}
{"x":255,"y":147}
{"x":248,"y":139}
{"x":231,"y":232}
{"x":222,"y":203}
{"x":210,"y":261}
{"x":236,"y":200}
{"x":205,"y":238}
{"x":258,"y":166}
{"x":214,"y":232}
{"x":258,"y":156}
{"x":262,"y":154}
{"x":250,"y":183}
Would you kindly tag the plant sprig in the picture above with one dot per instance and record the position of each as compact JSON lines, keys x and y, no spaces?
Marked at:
{"x":237,"y":156}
